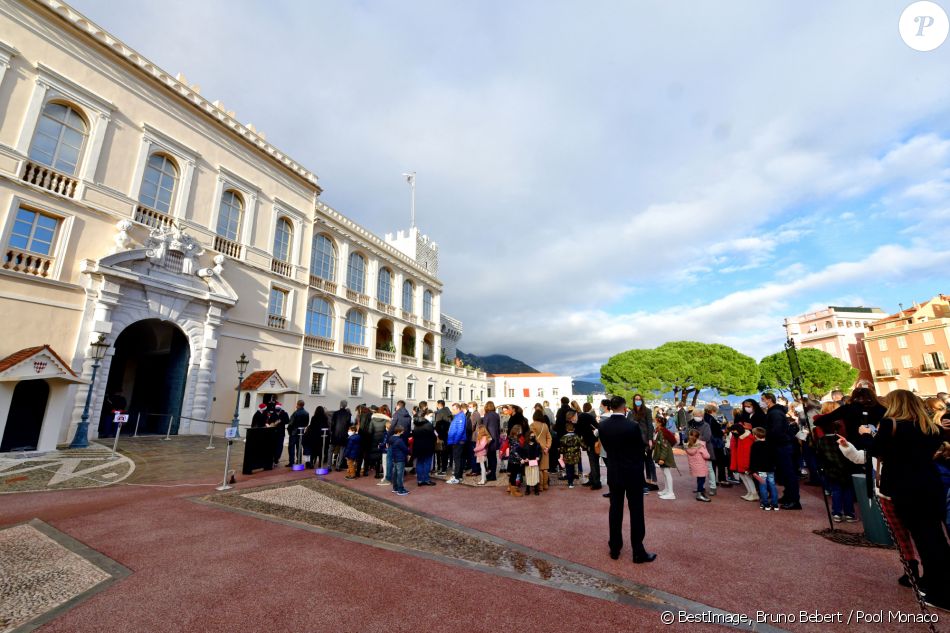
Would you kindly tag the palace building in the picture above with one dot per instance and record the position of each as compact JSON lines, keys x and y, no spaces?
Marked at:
{"x":134,"y":209}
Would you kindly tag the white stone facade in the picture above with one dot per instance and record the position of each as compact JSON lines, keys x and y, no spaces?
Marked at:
{"x":224,"y":259}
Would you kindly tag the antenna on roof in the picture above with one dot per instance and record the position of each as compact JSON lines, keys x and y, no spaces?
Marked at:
{"x":901,"y":306}
{"x":411,"y":179}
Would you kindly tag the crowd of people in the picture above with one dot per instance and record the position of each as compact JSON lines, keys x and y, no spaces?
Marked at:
{"x":899,"y":442}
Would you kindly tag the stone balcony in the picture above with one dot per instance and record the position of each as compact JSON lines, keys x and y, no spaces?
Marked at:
{"x":934,"y":368}
{"x":151,"y":218}
{"x":28,"y":263}
{"x":357,"y":297}
{"x":887,"y":373}
{"x":322,"y":284}
{"x":355,"y":350}
{"x":383,"y":355}
{"x":276,"y":321}
{"x":319,"y":343}
{"x":48,"y":178}
{"x":282,"y":268}
{"x":227,"y":247}
{"x":386,"y":308}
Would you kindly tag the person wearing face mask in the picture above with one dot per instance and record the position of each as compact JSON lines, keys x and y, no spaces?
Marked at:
{"x":643,"y":417}
{"x":780,"y":436}
{"x":699,"y":424}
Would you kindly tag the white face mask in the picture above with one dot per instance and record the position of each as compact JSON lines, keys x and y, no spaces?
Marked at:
{"x":351,"y":433}
{"x":748,"y":409}
{"x":699,"y":419}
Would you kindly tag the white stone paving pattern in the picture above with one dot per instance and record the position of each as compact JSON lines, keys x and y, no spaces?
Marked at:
{"x":38,"y":574}
{"x":302,"y":498}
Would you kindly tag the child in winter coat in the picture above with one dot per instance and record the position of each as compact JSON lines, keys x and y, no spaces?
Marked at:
{"x":762,"y":463}
{"x":697,"y":456}
{"x":531,"y":457}
{"x":515,"y":465}
{"x":741,"y":441}
{"x":482,"y":440}
{"x":571,"y":446}
{"x":400,"y":454}
{"x":663,"y":441}
{"x":352,"y":452}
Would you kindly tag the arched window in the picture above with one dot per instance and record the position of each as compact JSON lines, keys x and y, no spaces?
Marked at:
{"x":319,"y":318}
{"x":384,"y":287}
{"x":158,"y":183}
{"x":427,"y":305}
{"x":229,"y":215}
{"x":408,"y":293}
{"x":59,"y":139}
{"x":356,"y":273}
{"x":323,"y":257}
{"x":354,"y":329}
{"x":283,"y":236}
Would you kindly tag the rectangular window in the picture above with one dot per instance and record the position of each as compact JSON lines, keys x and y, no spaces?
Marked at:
{"x":34,"y":232}
{"x":907,"y":361}
{"x":882,"y":345}
{"x":912,"y":384}
{"x":527,"y":392}
{"x":902,"y":342}
{"x":554,"y":392}
{"x":411,"y":390}
{"x":431,"y":393}
{"x":356,"y":385}
{"x":277,"y":302}
{"x":887,"y":363}
{"x":460,"y":394}
{"x":511,"y":393}
{"x":540,"y":392}
{"x":928,"y":338}
{"x":317,"y":383}
{"x":490,"y":392}
{"x":940,"y":384}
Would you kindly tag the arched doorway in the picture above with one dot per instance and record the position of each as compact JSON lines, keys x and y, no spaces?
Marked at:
{"x":148,"y":372}
{"x":25,"y":419}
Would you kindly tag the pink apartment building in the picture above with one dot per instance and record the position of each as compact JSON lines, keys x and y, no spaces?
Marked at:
{"x":837,"y":330}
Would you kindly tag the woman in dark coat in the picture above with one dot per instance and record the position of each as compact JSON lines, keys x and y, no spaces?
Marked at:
{"x":492,"y":422}
{"x":862,"y":409}
{"x":313,"y":437}
{"x":905,"y":445}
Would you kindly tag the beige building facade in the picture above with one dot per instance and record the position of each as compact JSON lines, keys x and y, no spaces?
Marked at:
{"x":910,"y":349}
{"x":837,"y":330}
{"x":133,"y":208}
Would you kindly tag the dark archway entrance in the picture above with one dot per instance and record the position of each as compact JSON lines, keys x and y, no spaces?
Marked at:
{"x":149,"y":371}
{"x":25,"y":419}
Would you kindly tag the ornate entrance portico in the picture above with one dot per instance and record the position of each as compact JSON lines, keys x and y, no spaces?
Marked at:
{"x":161,"y":282}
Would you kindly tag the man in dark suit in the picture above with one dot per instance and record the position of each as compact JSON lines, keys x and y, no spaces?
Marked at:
{"x":624,"y":446}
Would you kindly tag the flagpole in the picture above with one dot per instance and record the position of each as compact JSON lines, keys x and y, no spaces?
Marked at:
{"x":411,"y":179}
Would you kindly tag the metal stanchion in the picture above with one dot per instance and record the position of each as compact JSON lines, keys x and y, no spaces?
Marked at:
{"x":138,"y":418}
{"x":118,"y":432}
{"x":324,"y":449}
{"x":227,"y":466}
{"x":210,"y":437}
{"x":171,"y":419}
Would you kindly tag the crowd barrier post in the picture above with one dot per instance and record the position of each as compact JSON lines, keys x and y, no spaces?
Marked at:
{"x":210,"y":437}
{"x":171,"y":418}
{"x":138,"y":418}
{"x":227,"y":461}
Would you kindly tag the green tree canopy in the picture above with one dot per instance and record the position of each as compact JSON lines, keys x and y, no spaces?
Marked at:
{"x":821,"y":372}
{"x":683,"y":367}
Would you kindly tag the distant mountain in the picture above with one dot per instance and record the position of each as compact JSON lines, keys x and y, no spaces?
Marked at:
{"x":496,"y":363}
{"x":584,"y":387}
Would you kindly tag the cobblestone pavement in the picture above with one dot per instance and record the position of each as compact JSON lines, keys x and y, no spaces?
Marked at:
{"x":38,"y":575}
{"x":63,"y":469}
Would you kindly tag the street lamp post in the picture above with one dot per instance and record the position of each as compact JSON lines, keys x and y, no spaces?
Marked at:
{"x":392,"y":393}
{"x":242,"y":367}
{"x":81,"y":438}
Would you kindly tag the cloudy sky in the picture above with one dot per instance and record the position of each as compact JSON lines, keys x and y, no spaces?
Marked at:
{"x":601,"y":175}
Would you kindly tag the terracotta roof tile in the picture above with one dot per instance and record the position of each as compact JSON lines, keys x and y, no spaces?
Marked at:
{"x":256,"y":379}
{"x":18,"y":357}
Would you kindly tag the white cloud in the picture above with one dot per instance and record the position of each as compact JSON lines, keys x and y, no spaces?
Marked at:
{"x":569,"y":158}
